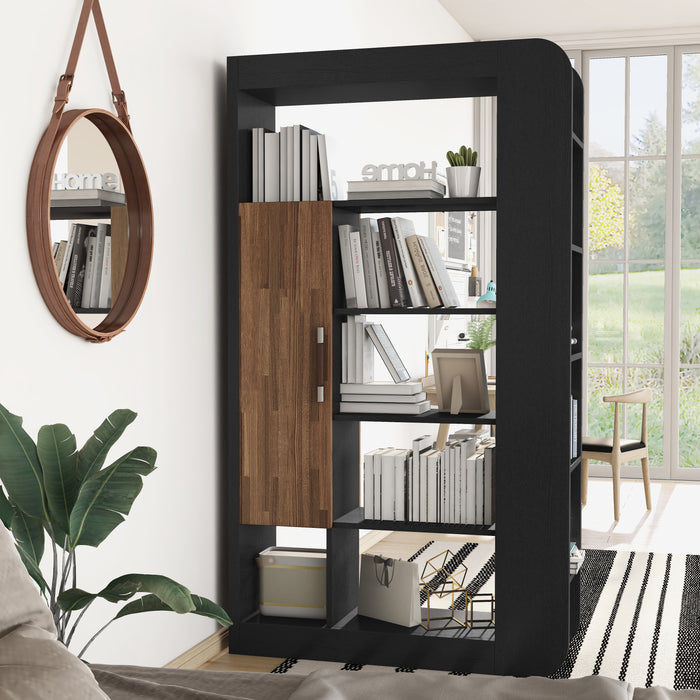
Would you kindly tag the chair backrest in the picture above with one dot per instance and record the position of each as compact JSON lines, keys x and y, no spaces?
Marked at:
{"x":642,"y":396}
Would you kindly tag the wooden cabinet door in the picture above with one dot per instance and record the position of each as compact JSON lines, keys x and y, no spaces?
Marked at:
{"x":286,"y":264}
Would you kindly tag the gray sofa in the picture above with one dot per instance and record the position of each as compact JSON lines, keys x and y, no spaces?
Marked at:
{"x":35,"y":666}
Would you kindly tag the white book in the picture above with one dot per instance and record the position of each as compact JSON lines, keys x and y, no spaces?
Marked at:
{"x":402,"y":228}
{"x":451,"y":485}
{"x":364,"y":354}
{"x":434,"y":463}
{"x":254,"y":163}
{"x":323,"y":167}
{"x":387,"y":398}
{"x":420,"y":445}
{"x":352,"y":327}
{"x":368,"y":266}
{"x":387,"y":352}
{"x":63,"y":272}
{"x":313,"y":167}
{"x":295,"y":163}
{"x":423,"y":486}
{"x":463,"y":482}
{"x":261,"y":163}
{"x":387,"y":483}
{"x":305,"y":165}
{"x":401,"y":467}
{"x":346,"y":263}
{"x":471,"y":489}
{"x":102,"y":230}
{"x":358,"y":273}
{"x":284,"y":155}
{"x":379,"y":267}
{"x":489,"y":490}
{"x":479,"y":489}
{"x":458,"y":482}
{"x":403,"y":408}
{"x":272,"y":167}
{"x":438,"y":270}
{"x":344,"y":351}
{"x":401,"y":388}
{"x":89,"y":279}
{"x":368,"y":481}
{"x":105,"y":300}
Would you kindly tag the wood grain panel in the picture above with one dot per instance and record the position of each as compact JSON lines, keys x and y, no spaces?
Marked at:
{"x":285,"y":295}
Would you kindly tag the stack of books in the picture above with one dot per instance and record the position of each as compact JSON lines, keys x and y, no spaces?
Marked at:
{"x":290,"y":165}
{"x":386,"y":264}
{"x":84,"y":266}
{"x":384,"y":397}
{"x":395,"y":189}
{"x":576,"y":557}
{"x":455,"y":485}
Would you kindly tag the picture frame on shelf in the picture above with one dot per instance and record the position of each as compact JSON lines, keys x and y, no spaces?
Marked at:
{"x":460,"y":380}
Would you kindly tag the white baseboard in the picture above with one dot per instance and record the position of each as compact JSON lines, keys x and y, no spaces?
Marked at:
{"x":203,"y":652}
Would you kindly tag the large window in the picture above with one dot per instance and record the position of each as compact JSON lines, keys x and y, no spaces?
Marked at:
{"x":643,"y":283}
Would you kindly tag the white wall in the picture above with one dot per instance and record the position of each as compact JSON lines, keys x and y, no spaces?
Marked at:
{"x":170,"y":55}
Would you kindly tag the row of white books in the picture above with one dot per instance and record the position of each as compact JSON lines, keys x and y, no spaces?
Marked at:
{"x":454,"y":486}
{"x":574,"y":428}
{"x":290,"y":165}
{"x":386,"y":264}
{"x":385,"y":189}
{"x":84,"y":265}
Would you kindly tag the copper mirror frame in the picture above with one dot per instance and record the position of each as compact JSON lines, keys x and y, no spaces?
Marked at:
{"x":139,"y":216}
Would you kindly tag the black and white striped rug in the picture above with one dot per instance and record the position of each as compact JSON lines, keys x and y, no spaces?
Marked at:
{"x":640,"y":616}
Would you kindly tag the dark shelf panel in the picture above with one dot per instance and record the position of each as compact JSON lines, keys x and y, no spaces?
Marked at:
{"x":257,"y":618}
{"x":419,"y":310}
{"x":432,"y":416}
{"x":80,"y":310}
{"x":355,"y":519}
{"x":423,"y":204}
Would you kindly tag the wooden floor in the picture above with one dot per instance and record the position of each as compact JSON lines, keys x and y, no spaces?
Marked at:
{"x":673,"y":525}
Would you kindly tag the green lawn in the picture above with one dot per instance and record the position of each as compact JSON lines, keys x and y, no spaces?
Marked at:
{"x":645,"y":345}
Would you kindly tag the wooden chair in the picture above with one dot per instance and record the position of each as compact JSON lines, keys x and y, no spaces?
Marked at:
{"x":616,"y":451}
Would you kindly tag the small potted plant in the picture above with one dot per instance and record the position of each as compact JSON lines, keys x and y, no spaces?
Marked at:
{"x":463,"y":175}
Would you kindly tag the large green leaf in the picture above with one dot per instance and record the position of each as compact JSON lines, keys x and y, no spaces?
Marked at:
{"x":151,"y":603}
{"x":29,"y":536}
{"x":6,"y":509}
{"x":94,"y":452}
{"x":174,"y":595}
{"x":20,"y":470}
{"x":58,"y":455}
{"x":106,"y":497}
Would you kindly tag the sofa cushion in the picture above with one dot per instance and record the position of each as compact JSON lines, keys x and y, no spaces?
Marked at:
{"x":33,"y":663}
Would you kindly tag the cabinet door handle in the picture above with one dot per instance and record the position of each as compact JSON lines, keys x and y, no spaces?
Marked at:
{"x":320,"y":365}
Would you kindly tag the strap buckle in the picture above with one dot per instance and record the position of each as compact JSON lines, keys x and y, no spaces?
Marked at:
{"x":119,"y":98}
{"x":65,"y":83}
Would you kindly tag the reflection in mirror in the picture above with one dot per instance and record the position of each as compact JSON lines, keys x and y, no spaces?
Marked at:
{"x":89,"y":227}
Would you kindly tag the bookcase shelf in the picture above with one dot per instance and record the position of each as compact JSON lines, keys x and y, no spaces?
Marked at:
{"x":431,"y":416}
{"x":419,"y":311}
{"x":291,"y":461}
{"x":355,"y":519}
{"x":407,"y":204}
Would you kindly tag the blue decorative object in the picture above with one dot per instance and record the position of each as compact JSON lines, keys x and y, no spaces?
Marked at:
{"x":490,"y":294}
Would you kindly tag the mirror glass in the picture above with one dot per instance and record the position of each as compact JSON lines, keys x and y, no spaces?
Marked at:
{"x":89,"y":225}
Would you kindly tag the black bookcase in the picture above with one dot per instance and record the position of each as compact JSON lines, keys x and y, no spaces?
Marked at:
{"x":539,"y":262}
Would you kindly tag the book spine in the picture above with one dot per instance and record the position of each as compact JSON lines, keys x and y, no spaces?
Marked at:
{"x":76,"y":273}
{"x":370,"y":407}
{"x":255,"y":132}
{"x":397,"y":291}
{"x":89,"y":279}
{"x":433,"y":479}
{"x":479,"y":489}
{"x":380,"y":267}
{"x":368,"y":266}
{"x":60,"y":256}
{"x":272,"y":167}
{"x":324,"y":173}
{"x":105,"y":299}
{"x":438,"y":271}
{"x":296,"y":163}
{"x":387,"y":485}
{"x":344,"y":351}
{"x":305,"y":169}
{"x":102,"y":230}
{"x":284,"y":131}
{"x":401,"y":228}
{"x":369,"y":486}
{"x":65,"y":265}
{"x":386,"y":351}
{"x":313,"y":168}
{"x":432,"y":297}
{"x":400,"y":465}
{"x":358,"y":273}
{"x":346,"y":262}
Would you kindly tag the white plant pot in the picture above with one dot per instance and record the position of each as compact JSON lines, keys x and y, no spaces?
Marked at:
{"x":463,"y":180}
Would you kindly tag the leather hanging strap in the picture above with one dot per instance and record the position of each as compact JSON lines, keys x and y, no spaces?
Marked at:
{"x":65,"y":82}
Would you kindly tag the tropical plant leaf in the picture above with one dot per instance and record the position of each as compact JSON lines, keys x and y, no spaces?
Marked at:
{"x":174,"y":595}
{"x":30,"y":539}
{"x":151,"y":603}
{"x":106,"y":497}
{"x":20,"y":470}
{"x":92,"y":455}
{"x":58,"y":455}
{"x":6,"y":509}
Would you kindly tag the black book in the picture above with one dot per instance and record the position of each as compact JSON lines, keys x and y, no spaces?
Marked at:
{"x":398,"y":293}
{"x":76,"y":272}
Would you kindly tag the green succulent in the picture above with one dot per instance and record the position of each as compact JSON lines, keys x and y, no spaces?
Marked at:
{"x":465,"y":156}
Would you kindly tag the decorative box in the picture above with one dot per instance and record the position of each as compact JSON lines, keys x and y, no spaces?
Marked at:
{"x":292,"y":582}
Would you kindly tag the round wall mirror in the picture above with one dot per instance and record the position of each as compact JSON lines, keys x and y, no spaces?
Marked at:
{"x":90,"y":223}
